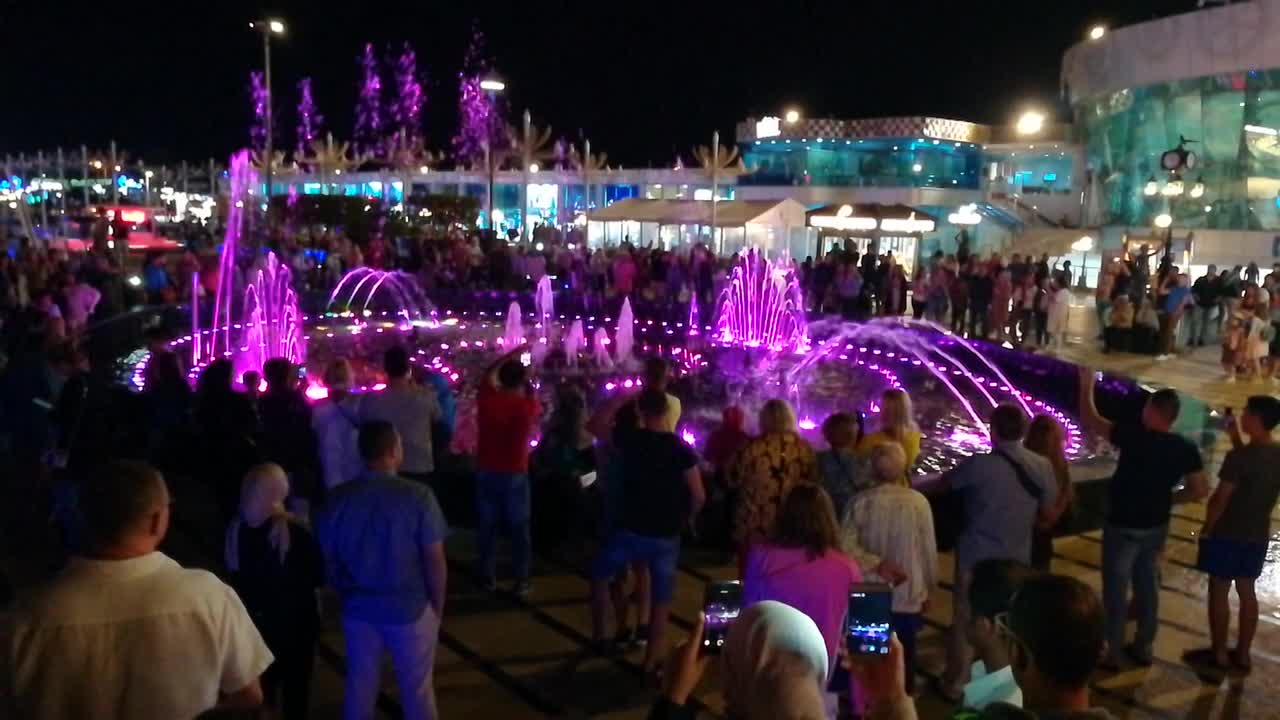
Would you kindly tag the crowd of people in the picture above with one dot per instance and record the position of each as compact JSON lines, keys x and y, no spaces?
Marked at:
{"x":358,"y":494}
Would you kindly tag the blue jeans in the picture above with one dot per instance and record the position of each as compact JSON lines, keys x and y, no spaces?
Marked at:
{"x":1200,"y":320}
{"x":502,"y":500}
{"x":1130,"y":556}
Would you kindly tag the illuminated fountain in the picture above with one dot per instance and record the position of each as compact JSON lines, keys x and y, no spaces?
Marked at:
{"x":269,"y":323}
{"x":625,"y":338}
{"x":358,"y":293}
{"x":759,"y":346}
{"x":573,"y":343}
{"x":762,"y":307}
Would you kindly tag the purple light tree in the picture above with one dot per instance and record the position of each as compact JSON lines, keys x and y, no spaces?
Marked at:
{"x":479,"y":120}
{"x":310,"y":122}
{"x":369,"y":126}
{"x":406,"y":108}
{"x":258,"y":100}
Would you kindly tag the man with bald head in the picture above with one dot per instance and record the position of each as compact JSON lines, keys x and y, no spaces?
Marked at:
{"x":124,"y":631}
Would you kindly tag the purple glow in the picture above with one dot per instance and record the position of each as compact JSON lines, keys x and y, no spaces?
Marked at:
{"x":258,"y":98}
{"x":406,"y":108}
{"x":310,"y":122}
{"x":368,"y":130}
{"x":762,"y":307}
{"x":479,"y":120}
{"x":358,"y":288}
{"x":272,"y":320}
{"x":689,"y":437}
{"x":808,"y":423}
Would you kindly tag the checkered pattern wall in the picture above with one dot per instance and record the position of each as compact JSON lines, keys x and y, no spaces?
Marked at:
{"x":888,"y":127}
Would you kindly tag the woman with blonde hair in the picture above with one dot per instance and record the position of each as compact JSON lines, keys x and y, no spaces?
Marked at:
{"x":888,"y":531}
{"x":897,"y":425}
{"x":765,"y":471}
{"x":1045,"y":437}
{"x":276,"y":568}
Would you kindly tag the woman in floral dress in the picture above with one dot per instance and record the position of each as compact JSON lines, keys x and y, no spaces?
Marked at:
{"x":766,"y":469}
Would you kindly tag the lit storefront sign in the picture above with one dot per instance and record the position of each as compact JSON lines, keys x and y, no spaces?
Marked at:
{"x":768,"y":127}
{"x":907,"y":225}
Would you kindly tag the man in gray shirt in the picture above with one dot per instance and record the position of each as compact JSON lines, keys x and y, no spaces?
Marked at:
{"x":411,"y":408}
{"x":1003,"y":493}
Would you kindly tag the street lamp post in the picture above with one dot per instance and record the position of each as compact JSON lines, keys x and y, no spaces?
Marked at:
{"x":268,"y":28}
{"x":493,"y":86}
{"x":715,"y":176}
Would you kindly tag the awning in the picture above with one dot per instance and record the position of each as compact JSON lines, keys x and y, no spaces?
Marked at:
{"x":729,"y":213}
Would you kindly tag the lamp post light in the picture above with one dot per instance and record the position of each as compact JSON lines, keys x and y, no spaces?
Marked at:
{"x":1029,"y":123}
{"x":1174,"y":162}
{"x":268,"y":28}
{"x":1097,"y":32}
{"x":792,"y":116}
{"x":493,"y":86}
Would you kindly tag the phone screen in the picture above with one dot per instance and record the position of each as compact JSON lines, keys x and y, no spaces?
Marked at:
{"x":587,"y":479}
{"x":870,"y":605}
{"x":722,"y":605}
{"x":526,"y":359}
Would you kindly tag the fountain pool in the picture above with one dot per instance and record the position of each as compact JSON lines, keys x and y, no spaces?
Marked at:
{"x":758,"y":346}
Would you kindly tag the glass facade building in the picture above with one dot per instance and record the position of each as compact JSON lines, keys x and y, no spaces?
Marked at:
{"x":873,"y":162}
{"x":1234,"y":121}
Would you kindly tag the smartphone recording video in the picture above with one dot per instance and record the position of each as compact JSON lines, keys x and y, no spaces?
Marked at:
{"x":722,"y":605}
{"x":526,"y":359}
{"x":870,"y":605}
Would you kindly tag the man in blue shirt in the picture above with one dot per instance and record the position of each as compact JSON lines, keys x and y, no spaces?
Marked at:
{"x":383,"y":542}
{"x":1172,"y":305}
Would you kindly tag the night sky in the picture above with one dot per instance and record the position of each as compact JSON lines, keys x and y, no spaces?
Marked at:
{"x":643,"y":80}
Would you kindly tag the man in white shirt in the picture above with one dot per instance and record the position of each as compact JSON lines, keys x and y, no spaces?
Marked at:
{"x":126,"y":632}
{"x":993,"y":584}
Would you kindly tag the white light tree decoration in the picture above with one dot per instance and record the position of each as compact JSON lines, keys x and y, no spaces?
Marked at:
{"x":531,"y":146}
{"x":588,"y":164}
{"x":331,"y":159}
{"x":717,"y":161}
{"x":406,"y":156}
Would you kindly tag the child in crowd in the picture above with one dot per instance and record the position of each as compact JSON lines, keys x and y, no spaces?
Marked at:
{"x":1233,"y":339}
{"x":1059,"y":301}
{"x":991,"y":590}
{"x":838,"y":466}
{"x":1258,"y":344}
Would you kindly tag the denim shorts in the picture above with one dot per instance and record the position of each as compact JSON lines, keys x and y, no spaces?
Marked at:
{"x":1229,"y":559}
{"x":659,"y":553}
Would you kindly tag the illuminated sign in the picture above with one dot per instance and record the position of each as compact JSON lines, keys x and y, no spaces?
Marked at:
{"x":908,"y":225}
{"x":768,"y":127}
{"x":966,"y":215}
{"x":843,"y":222}
{"x":136,"y":217}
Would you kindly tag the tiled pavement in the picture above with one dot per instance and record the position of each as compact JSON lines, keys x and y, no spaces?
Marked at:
{"x":504,"y":657}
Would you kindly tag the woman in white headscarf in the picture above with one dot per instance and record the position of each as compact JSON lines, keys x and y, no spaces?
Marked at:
{"x":276,"y":568}
{"x":775,"y":668}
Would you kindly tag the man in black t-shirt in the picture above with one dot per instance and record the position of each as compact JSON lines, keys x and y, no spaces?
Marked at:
{"x":1207,"y":291}
{"x":1153,"y":462}
{"x":661,"y":491}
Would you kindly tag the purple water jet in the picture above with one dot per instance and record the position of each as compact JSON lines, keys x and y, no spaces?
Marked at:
{"x":762,"y":307}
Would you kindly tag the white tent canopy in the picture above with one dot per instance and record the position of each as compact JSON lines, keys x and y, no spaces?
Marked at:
{"x":673,"y":223}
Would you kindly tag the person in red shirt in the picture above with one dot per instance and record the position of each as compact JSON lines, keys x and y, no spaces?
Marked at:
{"x":507,"y":413}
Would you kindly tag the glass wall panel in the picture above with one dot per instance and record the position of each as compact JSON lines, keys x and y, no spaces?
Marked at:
{"x":1232,"y":123}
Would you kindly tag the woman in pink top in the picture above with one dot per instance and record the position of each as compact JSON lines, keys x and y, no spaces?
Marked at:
{"x":803,"y":566}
